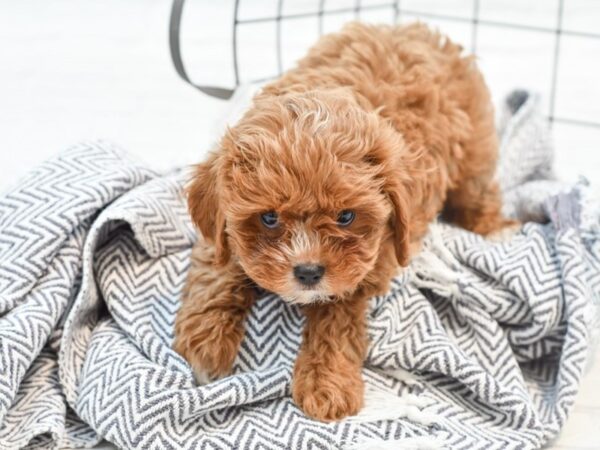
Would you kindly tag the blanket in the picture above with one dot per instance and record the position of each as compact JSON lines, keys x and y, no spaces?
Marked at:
{"x":478,"y":344}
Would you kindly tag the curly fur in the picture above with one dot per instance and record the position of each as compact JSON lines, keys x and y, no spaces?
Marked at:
{"x":390,"y":122}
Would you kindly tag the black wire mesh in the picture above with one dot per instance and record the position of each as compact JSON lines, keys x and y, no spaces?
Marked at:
{"x":396,"y":10}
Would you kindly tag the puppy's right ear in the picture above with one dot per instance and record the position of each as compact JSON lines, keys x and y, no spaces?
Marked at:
{"x":400,"y":225}
{"x":203,"y":204}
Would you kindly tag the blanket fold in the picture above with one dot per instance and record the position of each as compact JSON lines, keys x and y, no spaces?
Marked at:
{"x":478,"y":344}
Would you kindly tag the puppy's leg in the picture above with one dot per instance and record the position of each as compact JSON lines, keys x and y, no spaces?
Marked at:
{"x":327,"y":383}
{"x":209,"y":326}
{"x":476,"y":202}
{"x":476,"y":205}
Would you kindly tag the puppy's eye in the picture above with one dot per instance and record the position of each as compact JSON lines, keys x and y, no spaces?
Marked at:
{"x":345,"y":218}
{"x":270,"y":219}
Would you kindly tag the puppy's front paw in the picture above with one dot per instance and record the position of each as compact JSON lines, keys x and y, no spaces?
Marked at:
{"x":207,"y":361}
{"x":209,"y":346}
{"x":202,"y":375}
{"x":326,"y":395}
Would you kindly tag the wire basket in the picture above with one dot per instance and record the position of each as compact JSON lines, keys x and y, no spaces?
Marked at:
{"x":471,"y":13}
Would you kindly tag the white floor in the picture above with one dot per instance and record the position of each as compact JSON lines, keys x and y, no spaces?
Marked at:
{"x":73,"y":70}
{"x":582,"y":430}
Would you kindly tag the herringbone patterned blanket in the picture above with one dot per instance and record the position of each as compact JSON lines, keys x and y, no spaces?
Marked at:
{"x":477,"y":345}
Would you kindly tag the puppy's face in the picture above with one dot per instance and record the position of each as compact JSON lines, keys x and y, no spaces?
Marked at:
{"x":304,"y":191}
{"x":309,"y":235}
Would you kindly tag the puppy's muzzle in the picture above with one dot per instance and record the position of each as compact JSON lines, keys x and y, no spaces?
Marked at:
{"x":308,"y":274}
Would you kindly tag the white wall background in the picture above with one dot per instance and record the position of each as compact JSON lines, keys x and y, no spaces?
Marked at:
{"x":73,"y":70}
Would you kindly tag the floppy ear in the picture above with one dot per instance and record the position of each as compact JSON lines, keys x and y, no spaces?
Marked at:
{"x":400,"y":223}
{"x":204,"y":207}
{"x":385,"y":157}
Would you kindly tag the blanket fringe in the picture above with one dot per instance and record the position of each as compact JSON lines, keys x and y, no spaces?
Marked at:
{"x":383,"y":405}
{"x":404,"y":376}
{"x":590,"y":207}
{"x":435,"y":268}
{"x":412,"y":443}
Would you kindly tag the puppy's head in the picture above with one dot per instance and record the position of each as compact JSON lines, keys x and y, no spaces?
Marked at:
{"x":304,"y":192}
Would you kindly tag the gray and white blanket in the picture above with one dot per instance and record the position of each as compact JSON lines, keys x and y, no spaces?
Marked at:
{"x":478,"y":344}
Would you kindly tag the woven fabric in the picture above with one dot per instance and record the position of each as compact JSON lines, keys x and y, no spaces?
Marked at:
{"x":478,"y":344}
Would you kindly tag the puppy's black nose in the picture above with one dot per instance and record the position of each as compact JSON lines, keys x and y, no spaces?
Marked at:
{"x":309,"y":274}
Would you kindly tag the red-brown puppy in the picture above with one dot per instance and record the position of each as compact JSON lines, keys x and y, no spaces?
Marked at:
{"x":325,"y":187}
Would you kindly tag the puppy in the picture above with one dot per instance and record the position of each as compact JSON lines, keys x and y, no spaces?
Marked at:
{"x":325,"y":188}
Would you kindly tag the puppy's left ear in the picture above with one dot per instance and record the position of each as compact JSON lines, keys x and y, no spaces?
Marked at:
{"x":385,"y":156}
{"x":205,"y":210}
{"x":400,"y":223}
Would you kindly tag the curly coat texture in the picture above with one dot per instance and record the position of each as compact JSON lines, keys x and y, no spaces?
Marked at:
{"x":391,"y":123}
